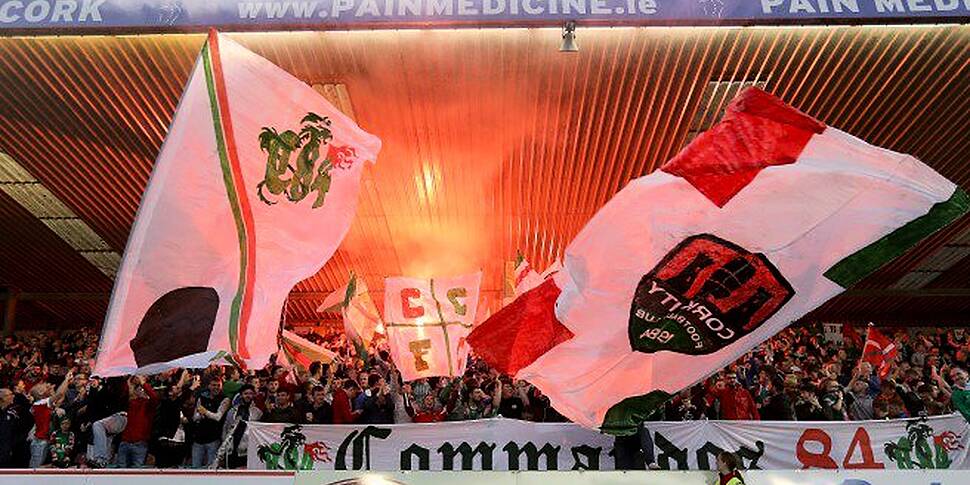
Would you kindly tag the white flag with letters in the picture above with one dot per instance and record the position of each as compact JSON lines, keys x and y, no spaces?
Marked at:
{"x":427,"y":320}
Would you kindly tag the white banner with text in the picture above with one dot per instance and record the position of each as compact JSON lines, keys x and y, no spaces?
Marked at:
{"x":487,"y":444}
{"x":939,"y":442}
{"x":761,"y":477}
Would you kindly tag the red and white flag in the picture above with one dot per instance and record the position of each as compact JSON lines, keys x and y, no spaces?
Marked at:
{"x":254,"y":188}
{"x":879,"y":351}
{"x":427,"y":321}
{"x":758,"y":221}
{"x":521,"y":277}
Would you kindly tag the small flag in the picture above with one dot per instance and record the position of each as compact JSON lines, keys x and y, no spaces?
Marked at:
{"x":758,"y":221}
{"x":879,"y":351}
{"x":359,"y":314}
{"x":427,"y":321}
{"x":299,"y":350}
{"x":361,"y":320}
{"x":520,"y":278}
{"x":254,"y":188}
{"x":334,"y":302}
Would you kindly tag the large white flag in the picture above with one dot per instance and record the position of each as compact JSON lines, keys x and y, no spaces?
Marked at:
{"x":253,"y":190}
{"x":757,"y":222}
{"x":427,"y":321}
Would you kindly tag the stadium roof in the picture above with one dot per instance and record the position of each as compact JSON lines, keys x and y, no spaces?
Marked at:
{"x":494,"y":142}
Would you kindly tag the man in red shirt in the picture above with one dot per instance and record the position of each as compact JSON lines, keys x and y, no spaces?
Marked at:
{"x":142,"y":401}
{"x":736,"y":401}
{"x":343,"y":396}
{"x":45,"y":400}
{"x":41,"y":410}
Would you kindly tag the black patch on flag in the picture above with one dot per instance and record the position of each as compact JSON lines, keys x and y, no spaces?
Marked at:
{"x":178,"y":324}
{"x":705,"y":294}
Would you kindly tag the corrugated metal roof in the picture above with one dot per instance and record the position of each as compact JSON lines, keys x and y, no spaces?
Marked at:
{"x":494,"y":142}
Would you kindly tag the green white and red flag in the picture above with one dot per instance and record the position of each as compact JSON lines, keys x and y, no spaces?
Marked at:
{"x":300,"y":351}
{"x":253,"y":190}
{"x":758,"y":221}
{"x":360,"y":316}
{"x":520,"y":277}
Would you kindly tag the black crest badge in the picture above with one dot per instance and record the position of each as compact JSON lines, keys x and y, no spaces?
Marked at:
{"x":705,"y":294}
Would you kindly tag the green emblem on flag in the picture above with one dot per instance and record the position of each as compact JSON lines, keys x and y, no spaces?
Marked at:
{"x":920,"y":448}
{"x":296,"y":178}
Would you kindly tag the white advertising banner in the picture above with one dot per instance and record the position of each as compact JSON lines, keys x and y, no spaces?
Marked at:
{"x":488,"y":444}
{"x":926,"y":443}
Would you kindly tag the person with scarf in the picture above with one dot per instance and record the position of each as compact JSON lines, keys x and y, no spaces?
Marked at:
{"x":234,"y":428}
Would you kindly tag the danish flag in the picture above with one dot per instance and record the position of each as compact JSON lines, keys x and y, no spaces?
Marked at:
{"x":879,"y":351}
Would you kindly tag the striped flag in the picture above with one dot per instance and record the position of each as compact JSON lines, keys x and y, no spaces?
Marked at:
{"x":253,"y":190}
{"x":299,"y":350}
{"x":758,"y":221}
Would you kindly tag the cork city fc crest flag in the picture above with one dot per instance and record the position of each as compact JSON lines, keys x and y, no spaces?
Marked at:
{"x":253,"y":190}
{"x":758,"y":221}
{"x":427,"y":321}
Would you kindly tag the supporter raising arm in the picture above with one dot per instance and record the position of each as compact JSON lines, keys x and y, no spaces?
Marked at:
{"x":209,"y":410}
{"x":142,"y":403}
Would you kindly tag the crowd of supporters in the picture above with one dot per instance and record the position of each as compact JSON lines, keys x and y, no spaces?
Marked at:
{"x":53,"y":412}
{"x":799,"y":375}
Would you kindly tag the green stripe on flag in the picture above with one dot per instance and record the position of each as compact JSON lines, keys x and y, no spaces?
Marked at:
{"x":865,"y":261}
{"x":232,"y":195}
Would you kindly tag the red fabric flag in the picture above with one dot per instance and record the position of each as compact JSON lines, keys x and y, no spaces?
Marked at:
{"x":522,"y":331}
{"x":879,"y":351}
